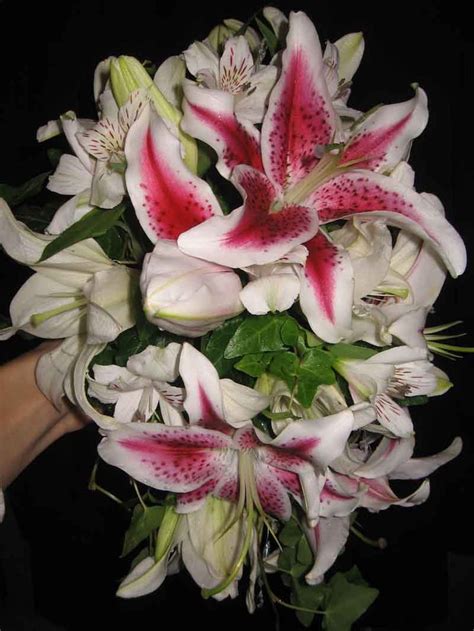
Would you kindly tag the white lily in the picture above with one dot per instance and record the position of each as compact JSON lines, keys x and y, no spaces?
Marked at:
{"x":229,"y":27}
{"x":141,"y":386}
{"x":77,"y":290}
{"x":235,"y":73}
{"x":186,"y":295}
{"x":396,"y":373}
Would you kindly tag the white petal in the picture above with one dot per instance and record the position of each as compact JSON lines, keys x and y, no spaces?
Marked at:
{"x":108,"y":186}
{"x":393,"y":416}
{"x":157,"y":364}
{"x":71,"y":176}
{"x":417,"y":468}
{"x":351,"y":50}
{"x":389,"y":455}
{"x":50,"y":130}
{"x":271,"y":293}
{"x":169,"y":78}
{"x":200,"y":57}
{"x":70,"y":212}
{"x":241,"y":403}
{"x":144,"y":579}
{"x":327,"y":540}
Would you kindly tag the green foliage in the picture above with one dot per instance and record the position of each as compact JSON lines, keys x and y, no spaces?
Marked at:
{"x":254,"y":364}
{"x":314,"y":370}
{"x":217,"y":343}
{"x":206,"y":158}
{"x":95,"y":224}
{"x":143,"y":524}
{"x":268,"y":35}
{"x":421,"y":399}
{"x":257,"y":334}
{"x":351,"y":351}
{"x":37,"y":218}
{"x":348,"y":597}
{"x":16,"y":195}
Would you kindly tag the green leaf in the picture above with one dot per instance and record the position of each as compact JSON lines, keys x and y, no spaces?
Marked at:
{"x":94,"y":224}
{"x":269,"y":37}
{"x":143,"y":524}
{"x":257,"y":334}
{"x":285,"y":366}
{"x":351,"y":351}
{"x":421,"y":399}
{"x":287,"y":559}
{"x":290,"y":332}
{"x":303,"y":552}
{"x":217,"y":343}
{"x":346,"y":602}
{"x":309,"y":597}
{"x":254,"y":364}
{"x":315,"y":370}
{"x":290,"y":534}
{"x":105,"y":357}
{"x":15,"y":195}
{"x":37,"y":218}
{"x":54,"y":156}
{"x":114,"y":243}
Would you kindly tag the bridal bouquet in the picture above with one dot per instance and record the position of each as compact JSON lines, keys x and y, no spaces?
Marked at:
{"x":240,"y":275}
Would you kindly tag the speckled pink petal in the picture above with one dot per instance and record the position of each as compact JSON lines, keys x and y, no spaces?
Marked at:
{"x":168,"y":198}
{"x":251,"y":234}
{"x":300,"y":117}
{"x":203,"y":401}
{"x":380,"y":496}
{"x":336,"y":501}
{"x":367,"y":194}
{"x":384,"y":138}
{"x":327,"y":289}
{"x":209,"y":116}
{"x":193,"y":500}
{"x":271,"y":493}
{"x":178,"y":459}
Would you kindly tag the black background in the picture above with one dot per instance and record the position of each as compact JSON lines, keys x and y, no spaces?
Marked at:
{"x":48,"y":52}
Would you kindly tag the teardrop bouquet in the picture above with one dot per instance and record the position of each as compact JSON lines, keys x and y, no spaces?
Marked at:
{"x":240,"y":275}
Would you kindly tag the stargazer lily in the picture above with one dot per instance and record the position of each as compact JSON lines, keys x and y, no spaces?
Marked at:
{"x":229,"y":459}
{"x":292,"y":180}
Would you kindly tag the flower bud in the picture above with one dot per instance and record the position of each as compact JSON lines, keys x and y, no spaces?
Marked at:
{"x":186,"y":295}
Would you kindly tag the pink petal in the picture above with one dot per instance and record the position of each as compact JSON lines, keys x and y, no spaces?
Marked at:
{"x":203,"y":401}
{"x":193,"y":500}
{"x":327,"y":289}
{"x":167,"y":197}
{"x":380,"y":496}
{"x":176,"y":459}
{"x":318,"y":441}
{"x":389,"y":455}
{"x":300,"y":116}
{"x":384,"y":137}
{"x":368,"y":194}
{"x":336,"y":501}
{"x":209,"y":116}
{"x":271,"y":493}
{"x":290,"y":481}
{"x":251,"y":234}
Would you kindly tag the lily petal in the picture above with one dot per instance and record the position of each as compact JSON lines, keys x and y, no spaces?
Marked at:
{"x":389,"y":455}
{"x":367,"y":194}
{"x":251,"y":234}
{"x":276,"y":292}
{"x":241,"y":403}
{"x":392,"y":416}
{"x":384,"y":138}
{"x":70,"y":178}
{"x":380,"y":496}
{"x":300,"y":116}
{"x":209,"y":116}
{"x":417,"y":468}
{"x":327,"y":288}
{"x":178,"y":459}
{"x":167,"y":197}
{"x":157,"y":364}
{"x":326,"y":540}
{"x":145,"y":578}
{"x":53,"y":367}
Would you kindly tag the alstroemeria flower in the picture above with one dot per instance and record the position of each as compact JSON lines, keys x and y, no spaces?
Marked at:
{"x":211,"y":456}
{"x":77,"y":290}
{"x":291,"y":180}
{"x":236,"y":73}
{"x":396,"y":373}
{"x":185,"y":295}
{"x":138,"y":389}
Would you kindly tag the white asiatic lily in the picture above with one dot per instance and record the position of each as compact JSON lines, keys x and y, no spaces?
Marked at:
{"x":78,"y":290}
{"x":228,"y":29}
{"x":138,"y":389}
{"x":235,"y":72}
{"x":396,"y":373}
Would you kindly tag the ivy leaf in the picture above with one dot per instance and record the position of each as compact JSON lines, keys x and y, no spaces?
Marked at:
{"x":15,"y":195}
{"x":95,"y":224}
{"x":290,"y":332}
{"x":408,"y":401}
{"x":351,"y":351}
{"x":314,"y":370}
{"x":114,"y":243}
{"x":254,"y":364}
{"x":127,"y":344}
{"x":346,"y":601}
{"x":309,"y":597}
{"x":217,"y":343}
{"x":257,"y":334}
{"x":143,"y":523}
{"x":303,"y":553}
{"x":286,"y":366}
{"x":290,"y":534}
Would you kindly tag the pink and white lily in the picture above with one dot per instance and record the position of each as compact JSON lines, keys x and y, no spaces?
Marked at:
{"x":291,"y":181}
{"x":137,"y":389}
{"x":230,"y":460}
